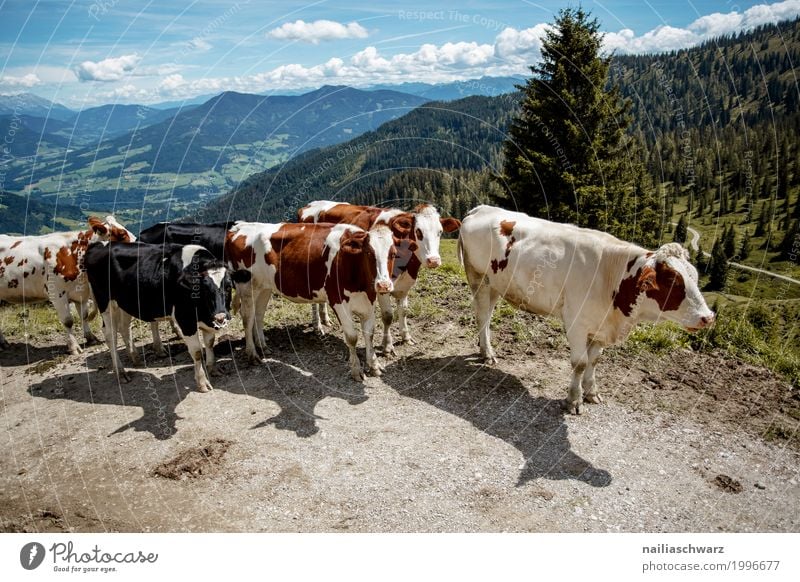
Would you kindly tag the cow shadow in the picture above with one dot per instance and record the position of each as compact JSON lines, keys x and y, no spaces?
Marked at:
{"x":499,"y":405}
{"x":157,"y":397}
{"x":23,"y":354}
{"x":301,"y":371}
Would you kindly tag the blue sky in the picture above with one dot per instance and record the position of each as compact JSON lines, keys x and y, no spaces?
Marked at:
{"x":84,"y":53}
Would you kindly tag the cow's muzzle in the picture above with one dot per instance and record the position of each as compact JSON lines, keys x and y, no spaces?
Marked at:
{"x":433,"y":262}
{"x":704,"y":322}
{"x":221,"y":320}
{"x":383,"y":286}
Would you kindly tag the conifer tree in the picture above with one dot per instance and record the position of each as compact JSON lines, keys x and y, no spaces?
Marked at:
{"x":681,"y":230}
{"x":567,"y":157}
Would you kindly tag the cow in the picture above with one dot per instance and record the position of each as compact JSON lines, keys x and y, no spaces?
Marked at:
{"x":340,"y":264}
{"x":417,"y":235}
{"x":209,"y":236}
{"x":149,"y":282}
{"x":599,"y":285}
{"x":49,"y":267}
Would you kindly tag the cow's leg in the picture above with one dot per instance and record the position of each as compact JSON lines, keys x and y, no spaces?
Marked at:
{"x":83,"y":309}
{"x":195,"y":348}
{"x":158,"y":346}
{"x":402,"y":311}
{"x":578,"y":348}
{"x":124,"y":321}
{"x":351,"y":339}
{"x":262,"y":301}
{"x":387,"y":316}
{"x":316,"y":321}
{"x":175,"y":328}
{"x":208,"y":343}
{"x":590,"y":393}
{"x":324,"y":315}
{"x":3,"y":342}
{"x":484,"y":300}
{"x":250,"y":321}
{"x":368,"y":329}
{"x":110,"y":321}
{"x":61,"y":304}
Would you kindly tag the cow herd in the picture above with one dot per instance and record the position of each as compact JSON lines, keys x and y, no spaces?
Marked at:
{"x":348,"y":257}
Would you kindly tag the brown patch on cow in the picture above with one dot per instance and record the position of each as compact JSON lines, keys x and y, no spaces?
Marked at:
{"x":2,"y":270}
{"x":507,"y":227}
{"x":67,"y":263}
{"x":450,"y":224}
{"x":361,"y":216}
{"x":16,"y":244}
{"x":13,"y":284}
{"x":8,"y":260}
{"x":119,"y":235}
{"x":47,"y":254}
{"x":630,"y":264}
{"x":33,"y":271}
{"x":353,"y":269}
{"x":22,"y":262}
{"x":670,"y":290}
{"x":663,"y":284}
{"x":420,"y":208}
{"x":299,"y":255}
{"x":25,"y":274}
{"x":402,"y":227}
{"x":238,"y":252}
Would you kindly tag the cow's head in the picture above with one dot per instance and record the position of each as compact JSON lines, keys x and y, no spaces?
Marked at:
{"x":206,"y":283}
{"x":428,"y":228}
{"x":110,"y":230}
{"x":377,"y":251}
{"x":664,"y":285}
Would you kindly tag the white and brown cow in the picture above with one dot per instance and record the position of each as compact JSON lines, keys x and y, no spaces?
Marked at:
{"x":599,"y":285}
{"x":417,"y":235}
{"x":49,"y":267}
{"x":340,"y":264}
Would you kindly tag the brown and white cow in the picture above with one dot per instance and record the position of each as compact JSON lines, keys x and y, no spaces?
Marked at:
{"x":340,"y":264}
{"x":49,"y":267}
{"x":417,"y":236}
{"x":599,"y":285}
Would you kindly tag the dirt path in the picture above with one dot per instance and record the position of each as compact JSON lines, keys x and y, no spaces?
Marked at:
{"x":439,"y":443}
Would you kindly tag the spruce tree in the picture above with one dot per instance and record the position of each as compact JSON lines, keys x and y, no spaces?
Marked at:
{"x":567,"y":157}
{"x":744,"y":250}
{"x":681,"y":230}
{"x":717,"y":268}
{"x":729,"y":242}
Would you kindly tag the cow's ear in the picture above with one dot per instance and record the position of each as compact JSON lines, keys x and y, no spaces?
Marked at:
{"x":401,"y":226}
{"x":184,"y":282}
{"x":354,"y":244}
{"x":241,"y":276}
{"x":450,"y":224}
{"x":97,"y":225}
{"x":647,"y":279}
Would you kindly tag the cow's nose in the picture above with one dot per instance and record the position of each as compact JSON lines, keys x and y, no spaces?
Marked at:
{"x":383,"y":286}
{"x":433,"y":262}
{"x":220,"y":318}
{"x":708,"y":320}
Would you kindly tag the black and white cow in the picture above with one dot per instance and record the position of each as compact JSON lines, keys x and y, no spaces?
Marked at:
{"x":151,"y":282}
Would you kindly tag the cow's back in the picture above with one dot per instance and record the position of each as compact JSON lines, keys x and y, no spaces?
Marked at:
{"x":25,"y":262}
{"x":537,"y":264}
{"x":209,"y":236}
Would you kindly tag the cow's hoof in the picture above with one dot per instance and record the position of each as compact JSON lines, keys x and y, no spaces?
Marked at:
{"x":376,"y":370}
{"x":214,"y":372}
{"x":255,"y":360}
{"x":408,"y":340}
{"x":593,"y":399}
{"x":572,"y":407}
{"x":124,"y":377}
{"x":91,"y":340}
{"x":319,"y":331}
{"x":75,"y":350}
{"x":357,"y":375}
{"x":388,"y":352}
{"x":135,"y":359}
{"x":162,"y":353}
{"x":489,"y":360}
{"x":206,"y":387}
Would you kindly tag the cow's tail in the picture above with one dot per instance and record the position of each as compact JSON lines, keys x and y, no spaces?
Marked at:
{"x":460,"y":250}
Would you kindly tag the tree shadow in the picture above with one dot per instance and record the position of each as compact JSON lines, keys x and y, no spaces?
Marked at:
{"x":302,"y":370}
{"x":499,"y":405}
{"x":157,"y":397}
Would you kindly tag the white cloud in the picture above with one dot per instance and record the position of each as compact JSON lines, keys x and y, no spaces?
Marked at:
{"x":199,"y":44}
{"x":27,"y":81}
{"x":512,"y":52}
{"x":111,"y":69}
{"x":667,"y":38}
{"x":317,"y":31}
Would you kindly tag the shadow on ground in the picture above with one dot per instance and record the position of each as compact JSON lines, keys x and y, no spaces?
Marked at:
{"x":499,"y":405}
